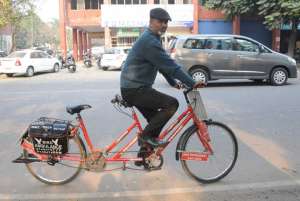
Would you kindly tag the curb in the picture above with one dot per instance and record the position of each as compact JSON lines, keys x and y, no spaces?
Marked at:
{"x":2,"y":76}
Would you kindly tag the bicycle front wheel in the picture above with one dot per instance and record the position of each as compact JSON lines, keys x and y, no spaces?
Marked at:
{"x":212,"y":167}
{"x":59,"y":171}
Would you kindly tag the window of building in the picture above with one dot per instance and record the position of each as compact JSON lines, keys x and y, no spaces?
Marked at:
{"x":74,"y":4}
{"x":113,"y":1}
{"x":87,"y":4}
{"x":136,"y":2}
{"x":171,"y":1}
{"x":156,"y":1}
{"x":187,"y":1}
{"x":95,"y":4}
{"x":143,"y":1}
{"x":120,"y":1}
{"x":202,"y":2}
{"x":80,"y":4}
{"x":128,"y":1}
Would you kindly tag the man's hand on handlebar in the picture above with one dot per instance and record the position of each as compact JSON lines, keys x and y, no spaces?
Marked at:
{"x":179,"y":85}
{"x":199,"y":84}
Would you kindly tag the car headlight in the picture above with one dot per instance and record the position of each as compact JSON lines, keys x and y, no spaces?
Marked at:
{"x":292,"y":61}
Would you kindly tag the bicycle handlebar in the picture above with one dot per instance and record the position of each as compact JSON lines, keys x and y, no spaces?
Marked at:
{"x":189,"y":89}
{"x":118,"y":99}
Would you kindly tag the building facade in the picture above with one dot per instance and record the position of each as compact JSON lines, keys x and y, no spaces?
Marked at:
{"x":120,"y":22}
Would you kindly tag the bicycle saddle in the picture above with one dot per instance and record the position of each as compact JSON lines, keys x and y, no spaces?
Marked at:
{"x":77,"y":108}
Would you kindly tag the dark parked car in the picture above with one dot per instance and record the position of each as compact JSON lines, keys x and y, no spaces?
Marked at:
{"x":2,"y":54}
{"x":211,"y":57}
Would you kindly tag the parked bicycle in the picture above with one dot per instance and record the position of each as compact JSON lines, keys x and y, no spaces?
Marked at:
{"x":54,"y":152}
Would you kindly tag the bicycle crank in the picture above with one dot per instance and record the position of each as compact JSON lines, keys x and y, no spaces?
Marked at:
{"x":153,"y":162}
{"x":95,"y":162}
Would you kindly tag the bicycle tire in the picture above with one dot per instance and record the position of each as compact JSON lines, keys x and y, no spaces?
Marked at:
{"x":35,"y":167}
{"x":203,"y":167}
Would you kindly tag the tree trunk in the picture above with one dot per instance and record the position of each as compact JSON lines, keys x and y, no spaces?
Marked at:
{"x":293,"y":38}
{"x":13,"y":40}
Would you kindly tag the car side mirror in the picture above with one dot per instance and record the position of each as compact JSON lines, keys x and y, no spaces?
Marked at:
{"x":261,"y":49}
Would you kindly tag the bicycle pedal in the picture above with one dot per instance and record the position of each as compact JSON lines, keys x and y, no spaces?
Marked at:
{"x":21,"y":159}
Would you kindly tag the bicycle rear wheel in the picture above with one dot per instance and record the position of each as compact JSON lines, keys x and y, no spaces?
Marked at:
{"x":218,"y":164}
{"x":60,"y":171}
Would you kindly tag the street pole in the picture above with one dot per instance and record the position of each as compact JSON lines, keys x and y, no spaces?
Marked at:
{"x":32,"y":31}
{"x":165,"y":35}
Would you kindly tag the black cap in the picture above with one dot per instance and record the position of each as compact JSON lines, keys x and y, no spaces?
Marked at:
{"x":160,"y":14}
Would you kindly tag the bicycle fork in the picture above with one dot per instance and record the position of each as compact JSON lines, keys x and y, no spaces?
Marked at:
{"x":203,"y":135}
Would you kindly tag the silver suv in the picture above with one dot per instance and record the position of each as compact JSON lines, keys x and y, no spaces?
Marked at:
{"x":211,"y":57}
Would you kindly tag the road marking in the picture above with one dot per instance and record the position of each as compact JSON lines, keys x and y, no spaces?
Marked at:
{"x":194,"y":189}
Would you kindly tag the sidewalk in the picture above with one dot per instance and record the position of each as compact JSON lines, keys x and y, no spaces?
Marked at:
{"x":2,"y":76}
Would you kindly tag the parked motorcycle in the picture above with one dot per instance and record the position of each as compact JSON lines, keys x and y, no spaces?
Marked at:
{"x":87,"y":60}
{"x":69,"y":63}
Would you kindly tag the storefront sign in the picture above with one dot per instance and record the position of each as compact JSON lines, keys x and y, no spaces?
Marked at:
{"x":288,"y":27}
{"x":138,"y":15}
{"x":125,"y":32}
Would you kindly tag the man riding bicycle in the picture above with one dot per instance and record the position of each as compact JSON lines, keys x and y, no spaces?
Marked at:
{"x":146,"y":58}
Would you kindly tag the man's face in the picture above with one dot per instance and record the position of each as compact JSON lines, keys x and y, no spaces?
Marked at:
{"x":159,"y":26}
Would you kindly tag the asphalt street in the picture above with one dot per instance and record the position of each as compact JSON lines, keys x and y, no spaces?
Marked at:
{"x":264,"y":118}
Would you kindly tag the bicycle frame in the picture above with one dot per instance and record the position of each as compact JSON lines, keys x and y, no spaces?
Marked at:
{"x":171,"y":131}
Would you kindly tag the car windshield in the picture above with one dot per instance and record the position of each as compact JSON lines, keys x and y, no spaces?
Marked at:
{"x":17,"y":55}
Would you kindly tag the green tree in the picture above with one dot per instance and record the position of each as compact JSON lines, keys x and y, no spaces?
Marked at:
{"x":34,"y":32}
{"x":12,"y":12}
{"x":279,"y":12}
{"x":275,"y":13}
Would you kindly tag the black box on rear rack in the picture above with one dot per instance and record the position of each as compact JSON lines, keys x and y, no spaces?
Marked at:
{"x":49,"y":135}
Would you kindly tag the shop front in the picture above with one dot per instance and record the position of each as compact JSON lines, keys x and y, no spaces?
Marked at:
{"x":125,"y":23}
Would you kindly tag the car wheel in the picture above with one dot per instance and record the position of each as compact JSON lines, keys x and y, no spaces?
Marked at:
{"x":199,"y":74}
{"x":55,"y":68}
{"x":9,"y":74}
{"x":105,"y":68}
{"x":278,"y":77}
{"x":29,"y":72}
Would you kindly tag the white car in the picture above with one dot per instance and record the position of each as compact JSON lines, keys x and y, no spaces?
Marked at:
{"x":28,"y":62}
{"x":114,"y":58}
{"x":97,"y":51}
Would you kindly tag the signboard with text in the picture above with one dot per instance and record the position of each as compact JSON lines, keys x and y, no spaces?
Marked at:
{"x":138,"y":15}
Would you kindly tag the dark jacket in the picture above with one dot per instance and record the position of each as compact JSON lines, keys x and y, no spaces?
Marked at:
{"x":146,"y":58}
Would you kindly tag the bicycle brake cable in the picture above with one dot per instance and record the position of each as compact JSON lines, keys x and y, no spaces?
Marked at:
{"x":118,"y":108}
